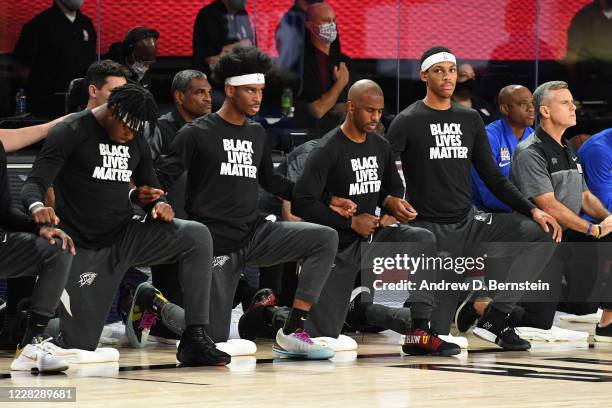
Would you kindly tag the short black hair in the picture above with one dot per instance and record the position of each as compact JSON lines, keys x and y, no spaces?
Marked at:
{"x":134,"y":105}
{"x":242,"y":60}
{"x":432,"y":51}
{"x":98,"y":72}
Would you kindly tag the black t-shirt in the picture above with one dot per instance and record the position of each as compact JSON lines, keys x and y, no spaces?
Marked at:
{"x":358,"y":171}
{"x":90,"y":175}
{"x":57,"y":51}
{"x":10,"y":218}
{"x":214,"y":28}
{"x":225,"y":164}
{"x":436,"y":148}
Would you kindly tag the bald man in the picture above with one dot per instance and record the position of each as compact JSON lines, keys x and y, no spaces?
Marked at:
{"x":353,"y":162}
{"x":325,"y":73}
{"x":518,"y":114}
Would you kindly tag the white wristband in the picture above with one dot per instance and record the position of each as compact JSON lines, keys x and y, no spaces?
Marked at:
{"x":35,"y":207}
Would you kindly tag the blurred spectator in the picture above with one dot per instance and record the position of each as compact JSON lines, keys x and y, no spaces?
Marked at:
{"x":137,"y":52}
{"x":589,"y":53}
{"x":596,"y":156}
{"x":93,"y":90}
{"x":465,"y":94}
{"x":289,"y":36}
{"x":54,"y":47}
{"x":219,"y":26}
{"x":325,"y":71}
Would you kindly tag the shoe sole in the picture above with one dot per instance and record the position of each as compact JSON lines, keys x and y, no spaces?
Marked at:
{"x":33,"y":369}
{"x":460,"y":308}
{"x":129,"y":329}
{"x":279,"y":353}
{"x":492,"y":338}
{"x":421,"y":352}
{"x":202,"y":364}
{"x":603,"y":339}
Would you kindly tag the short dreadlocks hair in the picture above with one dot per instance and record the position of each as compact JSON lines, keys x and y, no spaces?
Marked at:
{"x":242,"y":60}
{"x":134,"y":105}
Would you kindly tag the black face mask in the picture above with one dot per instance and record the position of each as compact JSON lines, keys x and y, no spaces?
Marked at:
{"x":465,"y":89}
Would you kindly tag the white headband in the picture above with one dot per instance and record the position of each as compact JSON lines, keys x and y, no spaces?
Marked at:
{"x":439,"y":57}
{"x":246,"y":79}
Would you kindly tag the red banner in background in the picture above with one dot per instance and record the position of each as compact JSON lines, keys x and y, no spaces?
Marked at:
{"x":475,"y":29}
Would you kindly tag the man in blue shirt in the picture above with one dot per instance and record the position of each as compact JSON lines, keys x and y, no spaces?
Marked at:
{"x":596,"y":155}
{"x":516,"y":108}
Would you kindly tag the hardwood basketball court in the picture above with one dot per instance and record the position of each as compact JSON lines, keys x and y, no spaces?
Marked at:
{"x":550,"y":375}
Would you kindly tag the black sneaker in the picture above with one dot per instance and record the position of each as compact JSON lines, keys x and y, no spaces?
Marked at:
{"x":197,"y":349}
{"x":421,"y":342}
{"x":141,"y":315}
{"x":603,"y":334}
{"x":20,"y":324}
{"x":466,"y":316}
{"x":356,"y":320}
{"x":126,"y":298}
{"x":252,"y":321}
{"x":495,"y":327}
{"x":162,"y":334}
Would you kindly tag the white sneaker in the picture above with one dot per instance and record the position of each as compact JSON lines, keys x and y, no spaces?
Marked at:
{"x":299,"y":345}
{"x":35,"y":357}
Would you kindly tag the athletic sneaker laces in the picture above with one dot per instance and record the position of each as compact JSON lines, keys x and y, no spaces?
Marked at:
{"x":299,"y":344}
{"x":142,"y":314}
{"x":148,"y":320}
{"x":500,"y":332}
{"x":37,"y":357}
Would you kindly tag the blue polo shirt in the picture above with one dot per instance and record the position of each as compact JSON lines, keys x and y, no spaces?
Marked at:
{"x":596,"y":157}
{"x":503,"y":142}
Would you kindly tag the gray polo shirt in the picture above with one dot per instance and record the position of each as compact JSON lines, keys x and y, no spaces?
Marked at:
{"x":541,"y":165}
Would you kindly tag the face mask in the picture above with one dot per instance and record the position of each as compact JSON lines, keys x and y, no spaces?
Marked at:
{"x":465,"y":88}
{"x":328,"y":32}
{"x":236,"y":5}
{"x":72,"y":5}
{"x":140,"y":69}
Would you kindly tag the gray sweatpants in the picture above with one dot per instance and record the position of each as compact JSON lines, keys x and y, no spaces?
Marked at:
{"x":96,"y":274}
{"x":328,"y":315}
{"x":499,"y":236}
{"x":313,"y":246}
{"x":25,"y":254}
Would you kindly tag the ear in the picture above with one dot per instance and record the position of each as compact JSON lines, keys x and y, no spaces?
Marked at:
{"x":310,"y":26}
{"x":229,"y":90}
{"x":350,"y":106}
{"x":423,"y":76}
{"x":503,"y":108}
{"x":178,"y":97}
{"x":92,"y":91}
{"x":544,"y":111}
